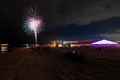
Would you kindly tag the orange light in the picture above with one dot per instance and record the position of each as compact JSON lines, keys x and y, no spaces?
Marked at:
{"x":60,"y":45}
{"x":53,"y":45}
{"x":75,"y":45}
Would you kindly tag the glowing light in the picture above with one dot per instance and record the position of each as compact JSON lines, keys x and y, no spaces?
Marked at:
{"x":105,"y":42}
{"x":54,"y":44}
{"x":34,"y":23}
{"x":75,"y":45}
{"x":66,"y":42}
{"x":60,"y":45}
{"x":4,"y":47}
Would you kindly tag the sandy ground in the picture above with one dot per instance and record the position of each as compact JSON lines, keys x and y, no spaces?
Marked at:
{"x":23,"y":64}
{"x":28,"y":64}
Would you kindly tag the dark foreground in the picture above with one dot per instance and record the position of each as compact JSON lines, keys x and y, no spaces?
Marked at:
{"x":50,"y":64}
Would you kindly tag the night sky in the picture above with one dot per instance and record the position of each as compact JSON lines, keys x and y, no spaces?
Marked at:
{"x":56,"y":13}
{"x":75,"y":11}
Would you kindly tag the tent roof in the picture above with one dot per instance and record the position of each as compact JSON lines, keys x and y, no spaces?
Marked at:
{"x":105,"y":42}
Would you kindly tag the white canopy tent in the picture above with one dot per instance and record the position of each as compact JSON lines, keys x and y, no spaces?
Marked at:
{"x":104,"y":42}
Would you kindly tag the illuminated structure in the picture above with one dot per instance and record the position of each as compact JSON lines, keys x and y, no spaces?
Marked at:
{"x":69,"y":44}
{"x":75,"y":45}
{"x":53,"y":44}
{"x":105,"y":42}
{"x":4,"y":47}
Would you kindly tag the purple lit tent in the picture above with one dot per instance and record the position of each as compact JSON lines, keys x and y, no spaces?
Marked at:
{"x":105,"y":43}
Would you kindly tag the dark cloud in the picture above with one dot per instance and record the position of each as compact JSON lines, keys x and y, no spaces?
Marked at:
{"x":84,"y":11}
{"x":73,"y":11}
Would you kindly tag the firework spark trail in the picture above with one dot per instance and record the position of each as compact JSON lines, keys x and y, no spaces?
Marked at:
{"x":33,"y":22}
{"x":36,"y":38}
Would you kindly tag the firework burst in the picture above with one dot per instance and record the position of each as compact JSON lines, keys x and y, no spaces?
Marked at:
{"x":33,"y":23}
